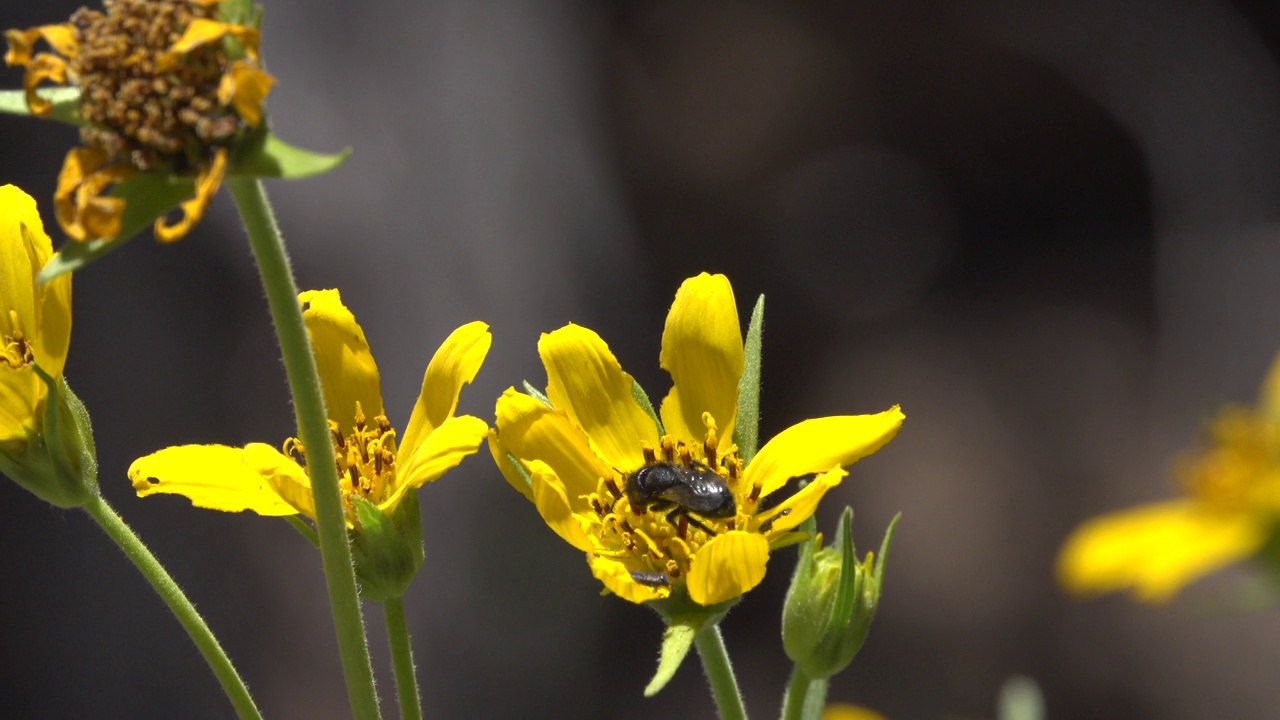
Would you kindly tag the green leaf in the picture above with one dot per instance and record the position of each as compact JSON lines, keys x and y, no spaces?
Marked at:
{"x":239,"y":12}
{"x":676,"y":642}
{"x":66,"y":103}
{"x":306,"y":531}
{"x":535,"y":393}
{"x":521,"y":471}
{"x":262,"y":154}
{"x":746,"y":431}
{"x":842,"y":609}
{"x":147,"y":196}
{"x":1020,"y":699}
{"x":878,"y":573}
{"x":642,"y":399}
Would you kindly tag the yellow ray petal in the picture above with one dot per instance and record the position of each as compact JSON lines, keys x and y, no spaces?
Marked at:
{"x":534,"y":431}
{"x":454,"y":365}
{"x":585,"y":380}
{"x":245,"y":87}
{"x":202,"y":31}
{"x":501,"y":453}
{"x":217,"y":477}
{"x":728,"y":566}
{"x":443,"y":449}
{"x":78,"y":204}
{"x":62,"y":38}
{"x":348,"y":373}
{"x":24,"y":248}
{"x":21,"y":396}
{"x":702,"y":351}
{"x":840,"y":711}
{"x":818,"y":445}
{"x":44,"y":66}
{"x":797,"y":508}
{"x":207,"y":184}
{"x":553,"y":505}
{"x":1155,"y":550}
{"x":617,"y":577}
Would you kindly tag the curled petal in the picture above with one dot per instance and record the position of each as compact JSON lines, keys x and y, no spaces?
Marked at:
{"x":454,"y":365}
{"x":220,"y":477}
{"x":44,"y":66}
{"x":729,"y":565}
{"x":504,"y":458}
{"x":203,"y":31}
{"x":1155,"y":550}
{"x":78,"y":202}
{"x":799,"y":507}
{"x":62,"y":38}
{"x":207,"y":184}
{"x":818,"y":445}
{"x":586,"y":381}
{"x":245,"y":87}
{"x":348,"y":373}
{"x":443,"y":449}
{"x":616,"y":576}
{"x":702,"y":351}
{"x":554,"y":507}
{"x":533,"y":431}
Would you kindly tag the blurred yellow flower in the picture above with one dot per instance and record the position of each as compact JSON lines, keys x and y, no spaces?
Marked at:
{"x":842,"y":711}
{"x":267,"y":481}
{"x":574,"y":452}
{"x":159,"y":91}
{"x":35,"y":320}
{"x":1229,"y":507}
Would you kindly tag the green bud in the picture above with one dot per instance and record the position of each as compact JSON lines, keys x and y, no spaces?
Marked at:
{"x":832,"y":601}
{"x":57,"y":462}
{"x":387,"y":548}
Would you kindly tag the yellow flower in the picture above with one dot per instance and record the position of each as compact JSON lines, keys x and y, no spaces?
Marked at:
{"x":842,"y":711}
{"x":1230,"y":504}
{"x":578,"y":451}
{"x":373,"y":465}
{"x":159,"y":91}
{"x":35,"y":320}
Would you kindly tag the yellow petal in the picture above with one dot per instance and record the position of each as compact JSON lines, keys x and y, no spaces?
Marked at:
{"x":1155,"y":550}
{"x":454,"y":365}
{"x":617,"y":577}
{"x":218,"y":477}
{"x":728,"y":566}
{"x":585,"y":380}
{"x":443,"y":449}
{"x":202,"y":31}
{"x":245,"y":87}
{"x":348,"y":373}
{"x":207,"y":184}
{"x":78,"y":202}
{"x":533,"y":431}
{"x":21,"y":396}
{"x":62,"y":38}
{"x":818,"y":445}
{"x":702,"y":351}
{"x":501,"y":453}
{"x":44,"y":66}
{"x":840,"y":711}
{"x":24,"y":248}
{"x":553,"y":505}
{"x":797,"y":508}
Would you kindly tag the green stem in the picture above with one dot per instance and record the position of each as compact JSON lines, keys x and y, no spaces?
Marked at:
{"x":168,"y":590}
{"x":402,"y":660}
{"x":719,"y":672}
{"x":313,"y":430}
{"x":805,"y":698}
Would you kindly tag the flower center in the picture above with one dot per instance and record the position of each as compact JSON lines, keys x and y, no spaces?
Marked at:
{"x":366,"y":458}
{"x":660,"y":514}
{"x":151,"y":112}
{"x":16,"y":349}
{"x":1241,"y":470}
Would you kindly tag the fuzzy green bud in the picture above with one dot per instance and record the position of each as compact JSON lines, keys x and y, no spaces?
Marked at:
{"x":387,"y":548}
{"x":831,"y":602}
{"x":57,"y":461}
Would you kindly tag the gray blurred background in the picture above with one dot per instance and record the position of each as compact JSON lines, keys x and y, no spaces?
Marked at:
{"x":1047,"y":229}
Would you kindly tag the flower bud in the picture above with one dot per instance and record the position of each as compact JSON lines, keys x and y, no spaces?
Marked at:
{"x":387,"y":548}
{"x":831,"y":602}
{"x":57,"y":460}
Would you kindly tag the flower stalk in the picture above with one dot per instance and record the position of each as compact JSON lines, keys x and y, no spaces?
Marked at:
{"x":168,"y":590}
{"x":805,"y":697}
{"x":407,"y":692}
{"x":719,"y":672}
{"x":313,"y":429}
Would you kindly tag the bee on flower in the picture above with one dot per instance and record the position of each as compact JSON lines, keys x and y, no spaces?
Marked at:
{"x":667,"y":503}
{"x":1227,"y":513}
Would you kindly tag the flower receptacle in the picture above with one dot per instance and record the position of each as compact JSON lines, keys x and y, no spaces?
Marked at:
{"x":831,"y":602}
{"x":57,"y":462}
{"x":387,"y":548}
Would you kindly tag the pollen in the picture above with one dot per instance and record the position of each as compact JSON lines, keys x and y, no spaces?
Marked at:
{"x":366,"y":458}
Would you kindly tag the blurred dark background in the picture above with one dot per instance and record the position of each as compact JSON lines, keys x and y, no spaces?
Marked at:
{"x":1048,"y":230}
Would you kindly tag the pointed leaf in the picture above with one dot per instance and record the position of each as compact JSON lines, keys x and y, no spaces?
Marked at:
{"x":262,"y":154}
{"x":66,"y":103}
{"x":535,"y":393}
{"x":642,"y":399}
{"x":676,"y":642}
{"x":746,"y":431}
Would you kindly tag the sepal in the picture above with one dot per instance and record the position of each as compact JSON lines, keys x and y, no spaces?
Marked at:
{"x":58,"y":463}
{"x":684,"y":619}
{"x":387,"y":548}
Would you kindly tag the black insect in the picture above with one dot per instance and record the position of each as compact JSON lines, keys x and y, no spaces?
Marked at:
{"x":651,"y":579}
{"x":682,"y":491}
